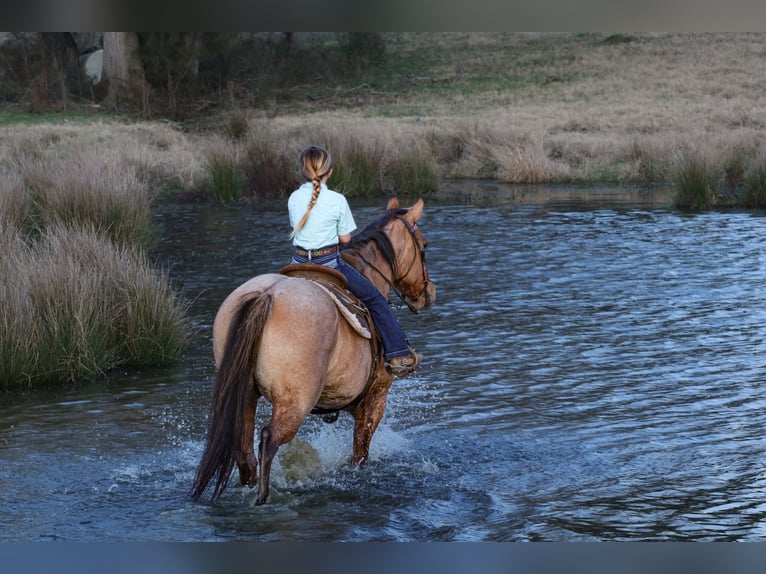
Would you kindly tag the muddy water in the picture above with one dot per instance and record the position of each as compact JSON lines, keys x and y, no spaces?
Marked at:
{"x":595,"y":369}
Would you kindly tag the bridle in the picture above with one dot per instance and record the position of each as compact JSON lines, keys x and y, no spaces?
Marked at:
{"x":405,"y":299}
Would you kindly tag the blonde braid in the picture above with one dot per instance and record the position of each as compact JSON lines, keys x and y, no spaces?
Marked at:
{"x":315,"y":164}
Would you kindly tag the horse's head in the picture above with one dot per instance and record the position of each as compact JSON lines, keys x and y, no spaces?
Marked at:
{"x":411,"y":280}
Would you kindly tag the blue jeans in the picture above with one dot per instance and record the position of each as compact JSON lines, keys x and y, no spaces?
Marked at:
{"x":395,"y":343}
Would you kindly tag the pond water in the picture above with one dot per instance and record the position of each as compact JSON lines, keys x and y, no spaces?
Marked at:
{"x":595,"y":369}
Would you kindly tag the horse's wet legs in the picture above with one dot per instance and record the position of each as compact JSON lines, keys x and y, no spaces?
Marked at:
{"x":246,"y":461}
{"x":266,"y":450}
{"x":278,"y":432}
{"x":367,"y":416}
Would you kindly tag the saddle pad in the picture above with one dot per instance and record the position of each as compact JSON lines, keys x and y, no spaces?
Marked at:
{"x":334,"y":284}
{"x":343,"y":303}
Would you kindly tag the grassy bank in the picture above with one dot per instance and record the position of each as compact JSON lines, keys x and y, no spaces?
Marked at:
{"x":75,"y":306}
{"x":520,"y":108}
{"x":536,"y":108}
{"x":79,"y":295}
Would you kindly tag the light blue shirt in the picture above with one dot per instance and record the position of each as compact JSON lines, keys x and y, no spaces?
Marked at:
{"x":330,"y":217}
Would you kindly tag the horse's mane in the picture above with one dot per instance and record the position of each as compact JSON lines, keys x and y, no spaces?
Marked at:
{"x":374,"y":233}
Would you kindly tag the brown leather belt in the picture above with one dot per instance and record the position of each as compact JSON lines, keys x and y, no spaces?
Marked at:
{"x":311,"y":253}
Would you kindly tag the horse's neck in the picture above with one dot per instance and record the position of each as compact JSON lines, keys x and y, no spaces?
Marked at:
{"x":376,"y":269}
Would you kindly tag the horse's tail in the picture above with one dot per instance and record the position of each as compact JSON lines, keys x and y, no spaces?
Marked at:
{"x":230,"y":395}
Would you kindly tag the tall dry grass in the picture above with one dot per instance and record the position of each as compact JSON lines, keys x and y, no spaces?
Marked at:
{"x":539,"y":108}
{"x":516,"y":107}
{"x":698,"y":182}
{"x":15,"y":203}
{"x":270,"y":164}
{"x":76,"y":305}
{"x":520,"y":108}
{"x":156,"y":153}
{"x":90,"y":191}
{"x":369,"y":158}
{"x":78,"y":294}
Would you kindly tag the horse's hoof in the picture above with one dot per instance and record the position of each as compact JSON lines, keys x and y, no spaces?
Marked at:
{"x":248,"y":479}
{"x":360,"y":461}
{"x":330,"y":418}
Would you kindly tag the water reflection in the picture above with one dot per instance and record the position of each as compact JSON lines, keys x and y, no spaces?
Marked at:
{"x":592,"y":372}
{"x":484,"y":193}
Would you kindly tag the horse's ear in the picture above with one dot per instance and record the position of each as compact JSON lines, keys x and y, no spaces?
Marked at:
{"x":414,"y":213}
{"x":393,"y":203}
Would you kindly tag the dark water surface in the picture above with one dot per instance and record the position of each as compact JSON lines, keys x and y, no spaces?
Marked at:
{"x":595,"y":369}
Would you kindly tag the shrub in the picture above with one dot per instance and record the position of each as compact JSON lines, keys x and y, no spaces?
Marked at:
{"x":755,"y":185}
{"x":697,"y":182}
{"x":415,"y":174}
{"x":225,"y":180}
{"x":355,"y":173}
{"x":237,"y":124}
{"x":270,"y":170}
{"x":75,"y":306}
{"x":363,"y":49}
{"x":87,"y":191}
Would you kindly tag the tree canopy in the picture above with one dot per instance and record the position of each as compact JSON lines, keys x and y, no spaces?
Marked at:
{"x":170,"y":73}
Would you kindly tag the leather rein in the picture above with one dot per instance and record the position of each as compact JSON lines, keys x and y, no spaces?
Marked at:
{"x":393,"y":284}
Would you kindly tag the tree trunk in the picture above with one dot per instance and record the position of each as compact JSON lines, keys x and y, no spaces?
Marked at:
{"x":123,"y":72}
{"x":193,"y":42}
{"x":62,"y":55}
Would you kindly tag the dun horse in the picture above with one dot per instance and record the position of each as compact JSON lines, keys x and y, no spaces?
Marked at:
{"x":285,"y":339}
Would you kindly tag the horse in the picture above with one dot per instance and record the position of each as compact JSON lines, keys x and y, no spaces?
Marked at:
{"x":283,"y":338}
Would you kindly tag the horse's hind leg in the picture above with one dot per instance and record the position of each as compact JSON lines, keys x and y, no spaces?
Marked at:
{"x":246,"y":461}
{"x":367,"y":415}
{"x":280,"y":430}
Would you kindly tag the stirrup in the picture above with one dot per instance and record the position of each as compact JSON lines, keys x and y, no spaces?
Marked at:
{"x":402,"y":366}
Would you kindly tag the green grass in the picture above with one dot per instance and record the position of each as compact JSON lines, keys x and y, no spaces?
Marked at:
{"x":755,"y":185}
{"x":697,"y":182}
{"x":415,"y":175}
{"x":226,"y":181}
{"x":356,"y":174}
{"x":419,"y":69}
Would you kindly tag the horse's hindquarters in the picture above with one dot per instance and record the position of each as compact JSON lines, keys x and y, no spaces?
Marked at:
{"x":228,"y":308}
{"x":308,"y":354}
